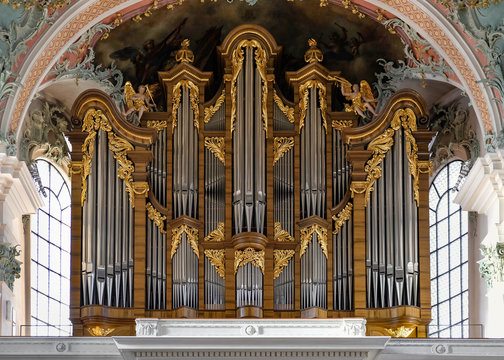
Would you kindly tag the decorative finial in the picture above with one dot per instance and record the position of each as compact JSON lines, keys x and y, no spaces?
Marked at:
{"x":185,"y":54}
{"x":313,"y":54}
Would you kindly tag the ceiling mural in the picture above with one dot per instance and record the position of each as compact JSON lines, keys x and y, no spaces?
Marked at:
{"x":350,"y":44}
{"x":351,"y":40}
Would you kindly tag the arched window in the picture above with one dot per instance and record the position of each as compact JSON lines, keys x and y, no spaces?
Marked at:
{"x":50,"y":257}
{"x":448,"y":257}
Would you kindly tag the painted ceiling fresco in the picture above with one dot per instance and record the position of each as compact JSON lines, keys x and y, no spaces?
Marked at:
{"x":350,"y":44}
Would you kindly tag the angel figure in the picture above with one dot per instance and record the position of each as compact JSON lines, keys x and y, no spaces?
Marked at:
{"x":138,"y":102}
{"x":362,"y":98}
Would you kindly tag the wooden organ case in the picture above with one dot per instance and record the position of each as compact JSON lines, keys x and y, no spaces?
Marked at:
{"x":249,"y":205}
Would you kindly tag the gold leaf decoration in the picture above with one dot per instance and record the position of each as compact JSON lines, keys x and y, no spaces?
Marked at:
{"x":281,"y":235}
{"x":280,"y":146}
{"x":306,"y":237}
{"x":282,"y":258}
{"x":342,"y":124}
{"x":313,"y":54}
{"x":401,"y":332}
{"x":303,"y":103}
{"x":177,"y":96}
{"x":260,"y":59}
{"x":216,"y":258}
{"x":210,"y":111}
{"x":286,"y":110}
{"x":216,"y":235}
{"x":216,"y":146}
{"x":249,"y":255}
{"x":99,"y":331}
{"x":156,"y":217}
{"x":120,"y":147}
{"x":157,"y":124}
{"x":192,"y":238}
{"x":342,"y":217}
{"x":94,"y":120}
{"x":184,"y":54}
{"x":406,"y":119}
{"x":350,"y":5}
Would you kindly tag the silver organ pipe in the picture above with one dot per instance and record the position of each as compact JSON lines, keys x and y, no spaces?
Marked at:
{"x":185,"y":197}
{"x":249,"y":188}
{"x":343,"y":237}
{"x":214,"y":218}
{"x":249,"y":169}
{"x":249,"y":286}
{"x":313,"y":192}
{"x":283,"y":215}
{"x":185,"y":276}
{"x":155,"y":237}
{"x":107,"y":241}
{"x":392,"y":239}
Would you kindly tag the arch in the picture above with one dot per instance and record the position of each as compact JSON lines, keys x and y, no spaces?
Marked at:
{"x":422,"y":16}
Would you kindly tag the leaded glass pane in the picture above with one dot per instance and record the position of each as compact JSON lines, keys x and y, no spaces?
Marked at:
{"x":50,"y":295}
{"x":449,"y":248}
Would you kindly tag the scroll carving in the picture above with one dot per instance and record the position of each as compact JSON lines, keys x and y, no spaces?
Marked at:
{"x":210,"y":111}
{"x":156,"y":217}
{"x":281,"y":235}
{"x":216,"y":235}
{"x":342,"y":217}
{"x":303,"y":104}
{"x":249,"y":255}
{"x":406,"y":119}
{"x":177,"y":96}
{"x":280,"y":146}
{"x":95,"y":120}
{"x":306,"y":237}
{"x":216,"y":146}
{"x":260,"y":59}
{"x":216,"y":258}
{"x":192,"y":238}
{"x":286,"y":110}
{"x":282,"y":258}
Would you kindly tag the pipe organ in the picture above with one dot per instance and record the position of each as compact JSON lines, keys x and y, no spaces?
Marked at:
{"x":245,"y":203}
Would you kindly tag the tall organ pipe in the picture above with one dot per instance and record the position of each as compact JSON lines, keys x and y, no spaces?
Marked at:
{"x":107,"y":239}
{"x":392,"y":240}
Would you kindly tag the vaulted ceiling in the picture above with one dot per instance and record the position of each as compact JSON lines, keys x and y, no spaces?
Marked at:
{"x":447,"y":50}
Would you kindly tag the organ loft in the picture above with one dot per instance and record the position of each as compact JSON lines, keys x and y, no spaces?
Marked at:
{"x":246,"y":200}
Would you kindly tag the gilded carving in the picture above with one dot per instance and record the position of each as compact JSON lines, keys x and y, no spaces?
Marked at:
{"x":185,"y":54}
{"x":342,"y":217}
{"x":156,"y":217}
{"x":216,"y":146}
{"x":406,"y":119}
{"x":282,"y":258}
{"x":157,"y":124}
{"x":306,"y":237}
{"x":194,"y":97}
{"x":281,"y":235}
{"x":260,"y":59}
{"x":217,"y":235}
{"x":192,"y":238}
{"x":401,"y":332}
{"x":75,"y":168}
{"x":313,"y":54}
{"x":286,"y":110}
{"x":120,"y":147}
{"x":303,"y":103}
{"x":99,"y":331}
{"x":342,"y":124}
{"x":216,"y":258}
{"x":280,"y":147}
{"x":210,"y":111}
{"x":249,"y":255}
